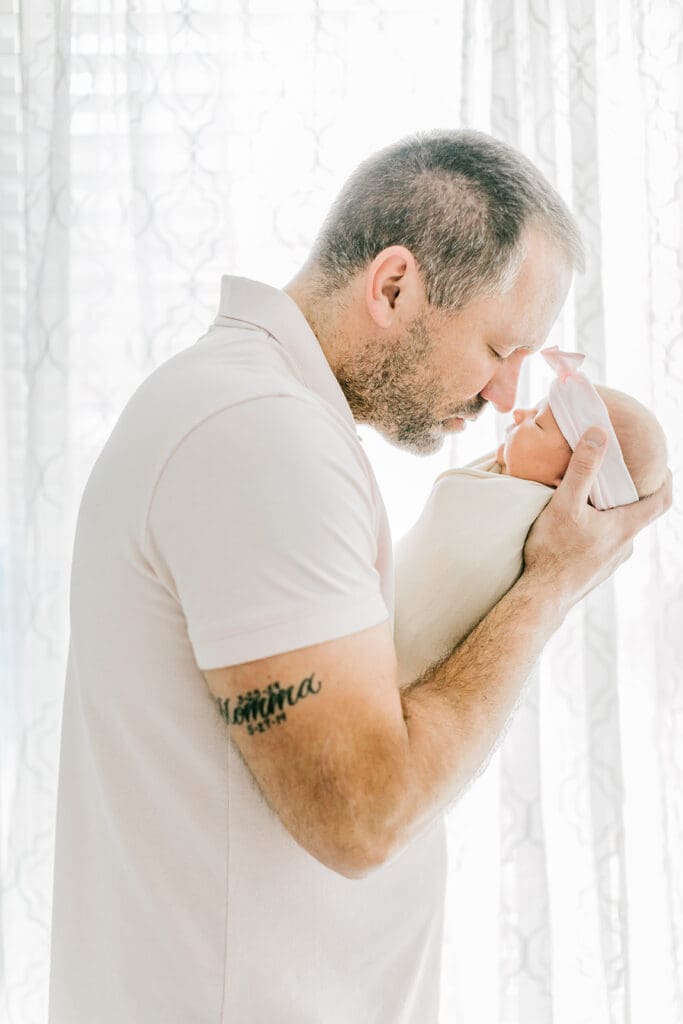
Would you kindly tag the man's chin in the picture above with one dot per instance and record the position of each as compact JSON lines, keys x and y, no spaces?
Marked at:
{"x":422,"y":444}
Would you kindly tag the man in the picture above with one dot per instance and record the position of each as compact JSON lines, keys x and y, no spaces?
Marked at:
{"x":250,"y":824}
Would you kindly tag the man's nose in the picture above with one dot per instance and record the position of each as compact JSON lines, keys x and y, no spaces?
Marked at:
{"x":502,"y":388}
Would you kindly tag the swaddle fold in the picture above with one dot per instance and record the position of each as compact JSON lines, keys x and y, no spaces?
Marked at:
{"x":459,"y":558}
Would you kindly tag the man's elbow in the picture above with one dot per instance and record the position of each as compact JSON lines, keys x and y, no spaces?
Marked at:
{"x":383,"y":844}
{"x":368,"y":823}
{"x":357,"y":857}
{"x":339,"y":842}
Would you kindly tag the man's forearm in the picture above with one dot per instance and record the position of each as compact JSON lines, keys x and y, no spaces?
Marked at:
{"x":456,"y":710}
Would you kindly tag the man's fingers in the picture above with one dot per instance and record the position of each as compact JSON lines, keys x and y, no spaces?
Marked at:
{"x":583,"y":468}
{"x":639,"y":513}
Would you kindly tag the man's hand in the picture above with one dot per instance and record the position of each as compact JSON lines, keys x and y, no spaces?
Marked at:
{"x":576,"y":547}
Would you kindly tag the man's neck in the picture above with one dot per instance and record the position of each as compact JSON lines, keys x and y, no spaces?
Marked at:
{"x":322,"y":317}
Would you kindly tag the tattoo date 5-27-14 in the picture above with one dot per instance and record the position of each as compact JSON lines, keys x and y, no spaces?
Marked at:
{"x":258,"y":711}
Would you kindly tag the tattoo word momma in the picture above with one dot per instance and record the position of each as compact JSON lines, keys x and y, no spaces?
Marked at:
{"x":258,"y":711}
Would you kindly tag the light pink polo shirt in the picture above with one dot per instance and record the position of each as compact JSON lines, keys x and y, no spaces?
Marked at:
{"x":231,"y":515}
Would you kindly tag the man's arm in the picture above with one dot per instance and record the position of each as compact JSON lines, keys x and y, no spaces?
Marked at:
{"x":355,"y":768}
{"x":321,"y":730}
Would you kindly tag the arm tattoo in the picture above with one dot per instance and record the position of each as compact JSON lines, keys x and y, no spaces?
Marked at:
{"x":254,"y":709}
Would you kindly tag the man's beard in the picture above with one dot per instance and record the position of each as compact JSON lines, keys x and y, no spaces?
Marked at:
{"x":389,"y":389}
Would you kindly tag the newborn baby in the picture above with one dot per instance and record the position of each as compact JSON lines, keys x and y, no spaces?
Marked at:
{"x":466,"y":549}
{"x":536,"y":449}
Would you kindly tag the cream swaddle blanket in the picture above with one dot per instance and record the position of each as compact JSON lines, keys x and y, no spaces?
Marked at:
{"x":459,"y":558}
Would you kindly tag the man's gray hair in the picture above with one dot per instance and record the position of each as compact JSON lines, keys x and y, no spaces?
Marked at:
{"x":459,"y":200}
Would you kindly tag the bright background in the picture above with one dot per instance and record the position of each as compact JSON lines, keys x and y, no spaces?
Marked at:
{"x":147,"y":149}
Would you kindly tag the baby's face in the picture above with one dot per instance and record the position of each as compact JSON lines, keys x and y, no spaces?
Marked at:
{"x":535,"y":447}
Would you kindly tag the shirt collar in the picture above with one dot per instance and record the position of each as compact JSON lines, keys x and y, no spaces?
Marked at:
{"x":274,"y":311}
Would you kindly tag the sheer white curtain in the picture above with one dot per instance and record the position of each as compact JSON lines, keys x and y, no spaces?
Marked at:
{"x":148,"y":148}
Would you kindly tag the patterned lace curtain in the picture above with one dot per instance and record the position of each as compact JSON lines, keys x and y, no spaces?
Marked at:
{"x":147,"y":148}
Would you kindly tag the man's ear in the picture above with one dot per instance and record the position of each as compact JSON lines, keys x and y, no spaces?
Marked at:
{"x":393,"y":273}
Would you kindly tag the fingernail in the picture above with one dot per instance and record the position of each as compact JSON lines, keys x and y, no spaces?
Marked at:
{"x":595,"y":438}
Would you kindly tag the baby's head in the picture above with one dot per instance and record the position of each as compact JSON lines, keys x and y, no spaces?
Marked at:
{"x":535,"y":448}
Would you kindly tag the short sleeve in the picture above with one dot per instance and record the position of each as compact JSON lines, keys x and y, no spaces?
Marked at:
{"x":263,"y":521}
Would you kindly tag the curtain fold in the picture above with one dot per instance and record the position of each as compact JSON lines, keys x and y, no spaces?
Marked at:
{"x":145,"y":150}
{"x":599,"y":668}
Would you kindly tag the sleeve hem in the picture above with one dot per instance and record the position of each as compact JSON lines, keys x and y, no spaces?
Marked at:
{"x":217,"y":650}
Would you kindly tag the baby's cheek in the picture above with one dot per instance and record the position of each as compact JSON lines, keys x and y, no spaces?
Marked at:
{"x":564,"y":462}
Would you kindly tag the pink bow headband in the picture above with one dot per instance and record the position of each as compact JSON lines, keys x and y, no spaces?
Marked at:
{"x":576,"y":405}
